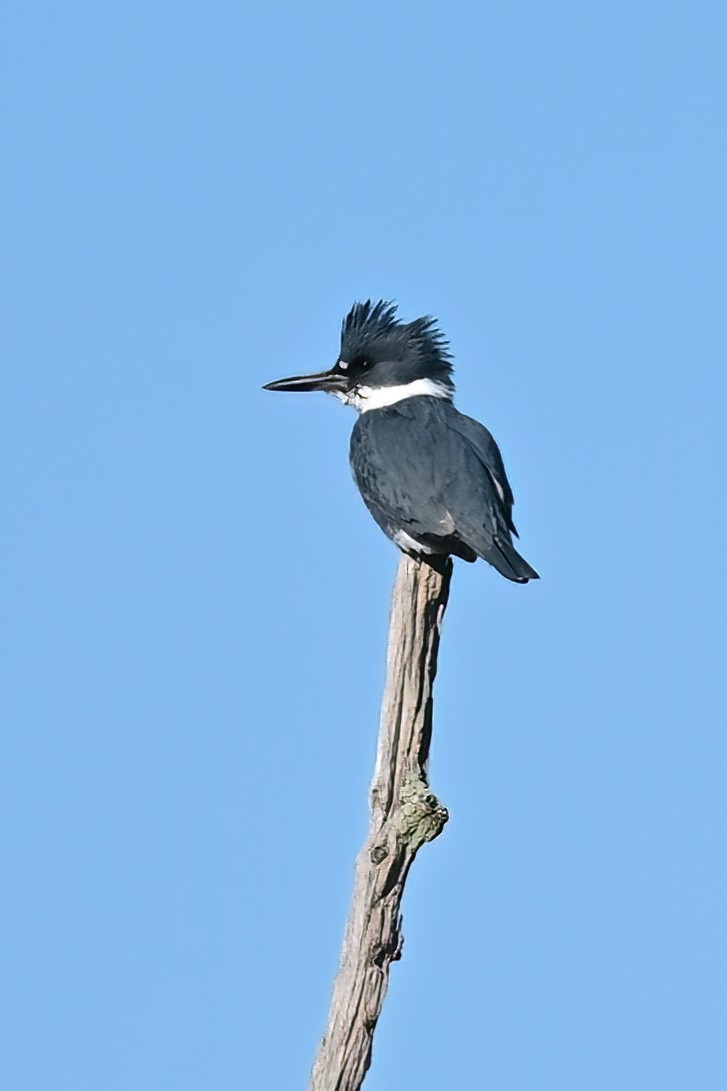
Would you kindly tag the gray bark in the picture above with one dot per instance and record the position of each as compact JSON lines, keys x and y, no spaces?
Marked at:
{"x":404,"y":815}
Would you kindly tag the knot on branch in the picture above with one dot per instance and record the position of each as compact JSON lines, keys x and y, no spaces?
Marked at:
{"x":391,"y":950}
{"x":421,"y":817}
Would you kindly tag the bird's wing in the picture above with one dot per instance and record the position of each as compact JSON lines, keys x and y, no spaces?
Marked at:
{"x":479,"y":499}
{"x":488,"y":454}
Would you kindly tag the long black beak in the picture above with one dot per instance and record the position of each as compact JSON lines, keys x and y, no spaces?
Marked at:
{"x":330,"y":381}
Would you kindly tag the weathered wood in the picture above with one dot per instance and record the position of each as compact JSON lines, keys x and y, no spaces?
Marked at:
{"x":404,"y":815}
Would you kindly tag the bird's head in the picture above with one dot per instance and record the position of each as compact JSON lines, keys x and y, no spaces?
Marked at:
{"x":382,"y":360}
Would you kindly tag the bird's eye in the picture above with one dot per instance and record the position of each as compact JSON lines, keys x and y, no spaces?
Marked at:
{"x":361,"y":363}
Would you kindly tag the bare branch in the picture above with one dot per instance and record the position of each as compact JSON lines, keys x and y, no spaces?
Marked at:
{"x":404,"y":815}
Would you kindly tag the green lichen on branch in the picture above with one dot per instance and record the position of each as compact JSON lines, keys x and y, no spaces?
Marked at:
{"x":420,"y":815}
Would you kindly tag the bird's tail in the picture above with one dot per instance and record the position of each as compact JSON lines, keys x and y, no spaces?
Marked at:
{"x":505,"y":558}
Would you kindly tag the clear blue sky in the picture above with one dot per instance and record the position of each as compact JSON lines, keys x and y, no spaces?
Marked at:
{"x":195,"y":599}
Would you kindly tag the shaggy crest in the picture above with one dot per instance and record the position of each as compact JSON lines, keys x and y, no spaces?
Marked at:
{"x":373,"y":328}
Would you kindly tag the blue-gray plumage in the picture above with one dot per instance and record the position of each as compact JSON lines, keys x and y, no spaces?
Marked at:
{"x":432,"y":478}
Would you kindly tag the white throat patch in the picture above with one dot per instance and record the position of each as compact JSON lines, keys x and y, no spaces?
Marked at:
{"x":365,"y":398}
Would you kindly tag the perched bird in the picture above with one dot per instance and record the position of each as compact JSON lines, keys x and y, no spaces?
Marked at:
{"x":432,"y":478}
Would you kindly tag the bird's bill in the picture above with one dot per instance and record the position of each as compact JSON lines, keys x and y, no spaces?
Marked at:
{"x":329,"y":381}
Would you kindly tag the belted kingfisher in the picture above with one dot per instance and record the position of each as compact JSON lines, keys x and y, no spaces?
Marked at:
{"x":432,"y":478}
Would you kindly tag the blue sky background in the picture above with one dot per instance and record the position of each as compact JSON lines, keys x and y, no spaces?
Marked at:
{"x":195,"y":599}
